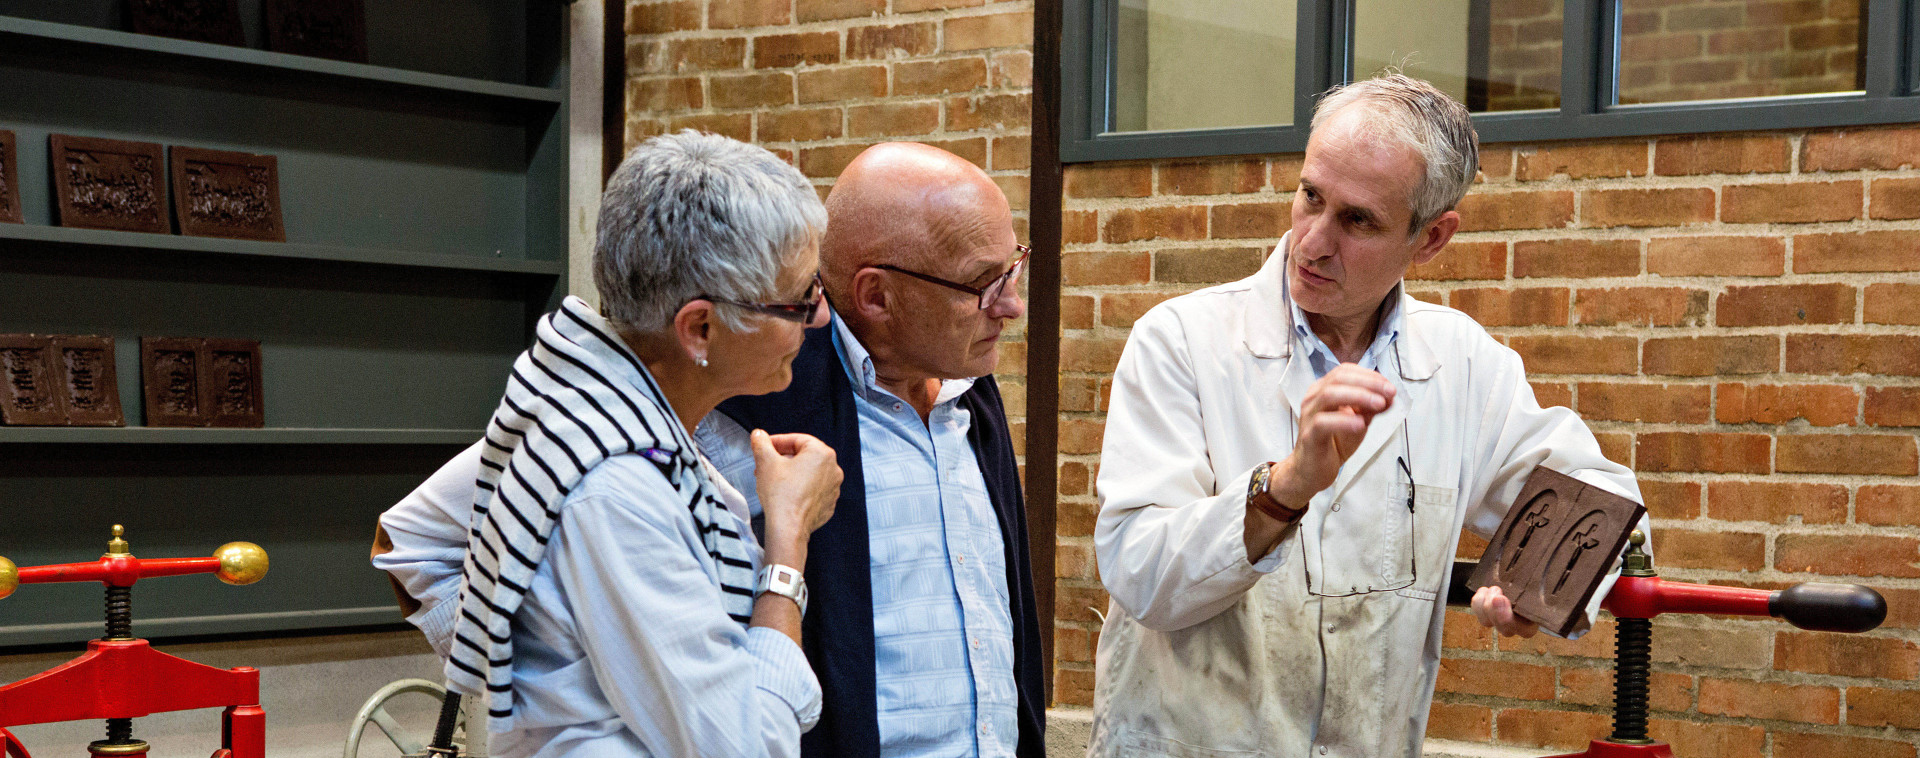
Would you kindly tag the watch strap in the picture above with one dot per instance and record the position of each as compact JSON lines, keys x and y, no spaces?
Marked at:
{"x":1260,"y":497}
{"x":785,"y":581}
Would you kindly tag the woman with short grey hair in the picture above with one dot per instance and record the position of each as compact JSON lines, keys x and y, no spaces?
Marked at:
{"x":613,"y":600}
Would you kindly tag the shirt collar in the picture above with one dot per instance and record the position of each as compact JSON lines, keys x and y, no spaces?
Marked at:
{"x":1391,"y":323}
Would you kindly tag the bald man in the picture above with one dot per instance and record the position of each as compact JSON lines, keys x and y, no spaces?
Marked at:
{"x":921,"y":625}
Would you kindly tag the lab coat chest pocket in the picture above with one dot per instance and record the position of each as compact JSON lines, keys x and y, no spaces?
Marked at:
{"x":1435,"y":527}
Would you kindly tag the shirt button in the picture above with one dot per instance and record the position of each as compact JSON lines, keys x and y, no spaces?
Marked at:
{"x":976,"y":642}
{"x":896,"y":407}
{"x":961,"y":558}
{"x":1336,"y":506}
{"x":1323,"y":749}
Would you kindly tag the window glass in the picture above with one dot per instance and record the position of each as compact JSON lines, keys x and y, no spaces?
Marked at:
{"x":1493,"y":55}
{"x":1713,"y":49}
{"x":1203,"y":64}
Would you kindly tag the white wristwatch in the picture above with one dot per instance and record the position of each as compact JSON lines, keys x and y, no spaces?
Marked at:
{"x":784,"y":581}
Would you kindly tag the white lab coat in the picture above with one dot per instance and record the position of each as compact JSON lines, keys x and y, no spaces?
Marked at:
{"x":1329,"y":645}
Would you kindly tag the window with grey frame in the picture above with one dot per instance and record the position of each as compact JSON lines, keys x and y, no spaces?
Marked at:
{"x":1181,"y":78}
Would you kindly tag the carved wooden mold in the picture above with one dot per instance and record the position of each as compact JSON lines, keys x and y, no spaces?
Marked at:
{"x":88,"y":381}
{"x":233,"y":383}
{"x":216,"y":21}
{"x":9,"y":179}
{"x":109,"y":184}
{"x":201,"y":382}
{"x":224,"y":194}
{"x":29,"y":395}
{"x":1556,"y":544}
{"x":322,"y":28}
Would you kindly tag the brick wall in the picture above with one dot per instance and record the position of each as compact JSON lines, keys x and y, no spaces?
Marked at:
{"x":1674,"y":50}
{"x":1733,"y":314}
{"x":817,"y":81}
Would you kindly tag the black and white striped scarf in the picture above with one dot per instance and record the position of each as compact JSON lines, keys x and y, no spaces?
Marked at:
{"x":574,"y":399}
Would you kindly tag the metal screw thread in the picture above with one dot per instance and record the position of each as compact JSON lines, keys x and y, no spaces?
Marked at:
{"x":119,"y":613}
{"x":1633,"y":655}
{"x":119,"y":731}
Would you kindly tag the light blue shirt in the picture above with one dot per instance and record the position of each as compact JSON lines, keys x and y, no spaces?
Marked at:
{"x":1321,"y":358}
{"x":943,"y":626}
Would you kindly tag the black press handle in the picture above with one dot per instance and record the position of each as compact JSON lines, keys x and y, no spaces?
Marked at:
{"x":1829,"y":607}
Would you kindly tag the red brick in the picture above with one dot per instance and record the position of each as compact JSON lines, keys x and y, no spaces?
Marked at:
{"x":1465,"y":260}
{"x":1583,"y":161}
{"x":1708,"y":356}
{"x":996,"y":30}
{"x":1551,"y":729}
{"x":1735,"y":453}
{"x":1218,"y":177}
{"x":1665,"y":691}
{"x":1735,"y":154}
{"x":910,"y":6}
{"x":1616,"y":447}
{"x":1076,"y":519}
{"x":1892,"y":304}
{"x":1459,"y":631}
{"x":1596,"y":643}
{"x":736,"y":125}
{"x":1746,"y":41}
{"x":1186,"y":222}
{"x":1840,"y":354}
{"x":1080,"y":393}
{"x":1864,"y":149}
{"x":1070,"y":686}
{"x":1012,"y":153}
{"x":1077,"y":604}
{"x":1072,"y":644}
{"x":891,"y":41}
{"x":1857,"y":251}
{"x":1791,"y":203}
{"x":1819,"y":404}
{"x":1497,"y":678}
{"x":988,"y":111}
{"x":753,"y":90}
{"x":1011,"y":69}
{"x":823,"y":162}
{"x":1879,"y":706}
{"x":1840,"y":555}
{"x":735,"y":14}
{"x":939,"y":77}
{"x":1080,"y":436}
{"x":1717,"y":551}
{"x":1489,"y":211}
{"x":1549,"y":394}
{"x":1499,"y":306}
{"x":1767,"y":700}
{"x":829,"y":10}
{"x":1249,"y":220}
{"x":1557,"y":354}
{"x":1079,"y":226}
{"x":1447,"y":721}
{"x":1211,"y":265}
{"x":1777,"y":502}
{"x":1121,"y":309}
{"x":704,"y":54}
{"x":661,"y":95}
{"x":1656,"y":403}
{"x":1893,"y":406}
{"x":660,"y":18}
{"x":1109,"y":180}
{"x":1671,"y":500}
{"x":1074,"y":480}
{"x":1081,"y":269}
{"x":1794,"y":744}
{"x":787,"y":50}
{"x":1709,"y":647}
{"x":1284,"y":173}
{"x":892,"y":119}
{"x":1646,"y":207}
{"x":1017,"y":188}
{"x":799,"y":125}
{"x":1576,"y":258}
{"x":1886,"y":454}
{"x":1846,"y":655}
{"x":839,"y":83}
{"x":1786,"y":305}
{"x":1716,"y":256}
{"x":1693,"y":738}
{"x":1894,"y":198}
{"x":1640,"y":306}
{"x":1495,"y":162}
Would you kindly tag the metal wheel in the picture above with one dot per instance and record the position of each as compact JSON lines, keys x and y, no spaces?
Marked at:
{"x":410,"y":742}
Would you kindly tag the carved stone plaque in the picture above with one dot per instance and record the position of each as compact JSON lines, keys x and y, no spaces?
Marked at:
{"x":216,"y":21}
{"x":1556,"y":544}
{"x":91,"y":388}
{"x":30,"y":395}
{"x":322,"y":28}
{"x":9,"y":179}
{"x":233,"y":383}
{"x":170,"y":381}
{"x":223,"y":194}
{"x":109,"y":184}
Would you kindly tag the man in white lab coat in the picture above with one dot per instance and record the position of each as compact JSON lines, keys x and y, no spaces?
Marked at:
{"x":1289,"y":460}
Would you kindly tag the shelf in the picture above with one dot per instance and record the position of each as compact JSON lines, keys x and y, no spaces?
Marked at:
{"x":17,"y":30}
{"x":146,"y":435}
{"x":59,"y":235}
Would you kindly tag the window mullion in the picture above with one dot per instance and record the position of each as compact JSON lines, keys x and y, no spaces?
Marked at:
{"x":1588,"y":50}
{"x":1886,"y":42}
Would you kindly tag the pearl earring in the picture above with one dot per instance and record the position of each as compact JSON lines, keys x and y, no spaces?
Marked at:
{"x":701,"y":361}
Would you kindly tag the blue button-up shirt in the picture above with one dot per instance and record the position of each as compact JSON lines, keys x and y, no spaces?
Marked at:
{"x":943,"y":627}
{"x":1321,"y":358}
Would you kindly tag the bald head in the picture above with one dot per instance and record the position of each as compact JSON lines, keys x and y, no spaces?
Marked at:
{"x":908,"y":205}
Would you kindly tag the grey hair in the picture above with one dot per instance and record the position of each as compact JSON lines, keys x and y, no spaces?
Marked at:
{"x":1420,"y":116}
{"x":693,"y":214}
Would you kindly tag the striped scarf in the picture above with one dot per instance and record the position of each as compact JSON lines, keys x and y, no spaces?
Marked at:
{"x":574,"y":399}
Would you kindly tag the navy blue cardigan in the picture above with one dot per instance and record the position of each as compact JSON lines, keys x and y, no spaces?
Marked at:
{"x":838,"y":628}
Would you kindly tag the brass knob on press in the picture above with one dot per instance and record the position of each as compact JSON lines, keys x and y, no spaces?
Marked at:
{"x":9,"y":577}
{"x":241,"y":563}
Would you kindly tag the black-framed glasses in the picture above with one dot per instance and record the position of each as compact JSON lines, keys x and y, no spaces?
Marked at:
{"x":801,"y":312}
{"x":989,"y":294}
